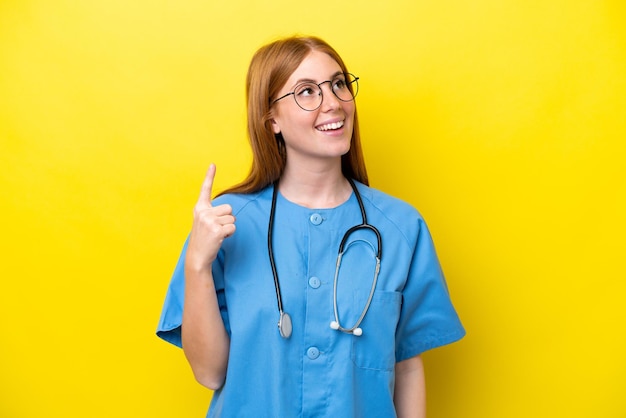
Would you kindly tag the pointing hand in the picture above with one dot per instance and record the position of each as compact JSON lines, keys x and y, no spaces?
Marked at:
{"x":211,"y":225}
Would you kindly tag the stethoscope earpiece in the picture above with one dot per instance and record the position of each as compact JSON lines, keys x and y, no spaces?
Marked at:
{"x":356,"y":332}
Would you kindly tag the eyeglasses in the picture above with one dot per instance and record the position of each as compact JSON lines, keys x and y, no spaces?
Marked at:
{"x":309,"y":95}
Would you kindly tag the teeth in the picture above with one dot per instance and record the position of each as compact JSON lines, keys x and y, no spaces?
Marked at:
{"x":330,"y":126}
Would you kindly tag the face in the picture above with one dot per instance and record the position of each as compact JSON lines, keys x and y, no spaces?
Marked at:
{"x":320,"y":135}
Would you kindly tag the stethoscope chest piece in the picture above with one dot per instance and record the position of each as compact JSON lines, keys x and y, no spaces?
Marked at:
{"x":284,"y":325}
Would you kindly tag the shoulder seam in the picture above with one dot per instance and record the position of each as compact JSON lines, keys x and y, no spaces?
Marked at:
{"x":410,"y":242}
{"x":247,"y":199}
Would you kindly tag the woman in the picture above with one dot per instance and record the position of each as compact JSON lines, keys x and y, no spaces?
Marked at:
{"x":350,"y":333}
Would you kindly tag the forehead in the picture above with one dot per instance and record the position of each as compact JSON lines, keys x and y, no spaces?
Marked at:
{"x":317,"y":66}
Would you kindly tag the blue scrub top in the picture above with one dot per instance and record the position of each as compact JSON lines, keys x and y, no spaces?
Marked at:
{"x":318,"y":371}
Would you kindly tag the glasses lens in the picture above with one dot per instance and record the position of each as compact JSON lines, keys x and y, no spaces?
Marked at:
{"x":345,"y":87}
{"x":308,"y":96}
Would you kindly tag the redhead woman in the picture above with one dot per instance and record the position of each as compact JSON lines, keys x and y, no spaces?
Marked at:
{"x":302,"y":291}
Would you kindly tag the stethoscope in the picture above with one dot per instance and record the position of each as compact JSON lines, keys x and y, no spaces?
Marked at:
{"x":285,"y":326}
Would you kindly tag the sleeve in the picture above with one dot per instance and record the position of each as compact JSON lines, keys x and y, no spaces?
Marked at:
{"x":169,"y":327}
{"x":427,"y":318}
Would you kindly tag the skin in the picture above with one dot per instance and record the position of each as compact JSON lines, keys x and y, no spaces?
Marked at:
{"x":204,"y":337}
{"x":312,"y":175}
{"x":312,"y":178}
{"x":410,"y":395}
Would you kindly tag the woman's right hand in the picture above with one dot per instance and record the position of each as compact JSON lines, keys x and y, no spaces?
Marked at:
{"x":205,"y":341}
{"x":211,"y":225}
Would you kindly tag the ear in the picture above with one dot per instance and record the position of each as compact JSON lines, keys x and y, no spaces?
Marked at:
{"x":275,"y":126}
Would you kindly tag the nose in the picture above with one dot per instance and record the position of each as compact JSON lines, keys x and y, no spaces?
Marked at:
{"x":329,"y":99}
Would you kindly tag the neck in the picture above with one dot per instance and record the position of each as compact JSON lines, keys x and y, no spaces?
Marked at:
{"x":315,"y":188}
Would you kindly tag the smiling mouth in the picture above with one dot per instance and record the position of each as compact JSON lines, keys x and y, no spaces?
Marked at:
{"x":330,"y":126}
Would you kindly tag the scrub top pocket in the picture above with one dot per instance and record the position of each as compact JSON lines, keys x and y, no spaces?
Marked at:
{"x":375,"y":349}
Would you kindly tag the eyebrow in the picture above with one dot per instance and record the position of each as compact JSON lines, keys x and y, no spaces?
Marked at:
{"x":310,"y":80}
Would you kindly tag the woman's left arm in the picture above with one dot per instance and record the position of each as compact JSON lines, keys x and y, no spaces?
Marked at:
{"x":410,"y":392}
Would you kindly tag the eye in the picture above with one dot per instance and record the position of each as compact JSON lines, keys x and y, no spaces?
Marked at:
{"x":339,"y":83}
{"x":307,"y":90}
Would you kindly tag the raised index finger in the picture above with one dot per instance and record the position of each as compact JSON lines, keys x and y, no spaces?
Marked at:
{"x":207,"y":187}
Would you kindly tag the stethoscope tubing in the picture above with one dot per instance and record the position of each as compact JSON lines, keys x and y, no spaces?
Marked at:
{"x":336,"y":324}
{"x":284,"y":322}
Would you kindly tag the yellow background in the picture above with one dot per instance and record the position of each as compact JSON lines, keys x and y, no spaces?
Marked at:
{"x":502,"y":121}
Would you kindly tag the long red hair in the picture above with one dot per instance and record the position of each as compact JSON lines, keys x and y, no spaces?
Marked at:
{"x":269,"y":70}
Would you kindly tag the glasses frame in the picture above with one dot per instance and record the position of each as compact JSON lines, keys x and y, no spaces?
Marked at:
{"x":349,"y":84}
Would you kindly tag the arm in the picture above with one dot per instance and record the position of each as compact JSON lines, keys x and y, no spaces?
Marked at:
{"x":410,"y":392}
{"x":204,"y":337}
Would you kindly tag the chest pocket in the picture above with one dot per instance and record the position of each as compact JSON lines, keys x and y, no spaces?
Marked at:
{"x":375,"y":349}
